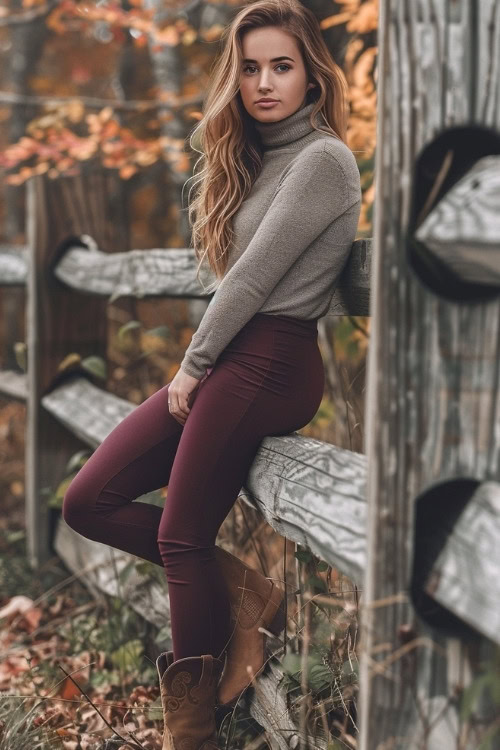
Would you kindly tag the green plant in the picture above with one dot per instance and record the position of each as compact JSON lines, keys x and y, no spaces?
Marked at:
{"x":73,"y":466}
{"x":484,"y":691}
{"x":320,"y":672}
{"x":19,"y":729}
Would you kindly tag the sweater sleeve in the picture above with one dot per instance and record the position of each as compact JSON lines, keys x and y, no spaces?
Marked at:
{"x":314,"y":190}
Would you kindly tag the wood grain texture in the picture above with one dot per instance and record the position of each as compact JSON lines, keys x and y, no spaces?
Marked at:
{"x":433,"y":365}
{"x":268,"y":707}
{"x":313,"y":493}
{"x":463,"y":230}
{"x":89,"y":412}
{"x":57,"y":323}
{"x":466,"y":573}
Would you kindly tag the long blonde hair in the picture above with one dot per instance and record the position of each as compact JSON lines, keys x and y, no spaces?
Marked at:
{"x":226,"y":138}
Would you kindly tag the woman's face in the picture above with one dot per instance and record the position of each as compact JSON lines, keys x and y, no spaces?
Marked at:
{"x":262,"y":75}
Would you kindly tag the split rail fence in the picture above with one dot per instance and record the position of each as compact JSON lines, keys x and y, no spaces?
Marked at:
{"x":311,"y":492}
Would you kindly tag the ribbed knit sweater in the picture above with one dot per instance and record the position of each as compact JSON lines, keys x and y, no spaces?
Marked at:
{"x":293,"y":235}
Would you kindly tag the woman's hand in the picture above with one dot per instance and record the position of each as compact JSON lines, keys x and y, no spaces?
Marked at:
{"x":181,"y":387}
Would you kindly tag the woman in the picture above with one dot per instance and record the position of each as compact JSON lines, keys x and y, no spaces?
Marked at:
{"x":274,"y":217}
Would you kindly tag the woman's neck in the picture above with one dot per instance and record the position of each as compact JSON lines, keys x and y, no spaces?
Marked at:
{"x":287,"y":130}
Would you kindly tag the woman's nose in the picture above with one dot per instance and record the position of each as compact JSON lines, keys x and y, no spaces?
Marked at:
{"x":264,"y":80}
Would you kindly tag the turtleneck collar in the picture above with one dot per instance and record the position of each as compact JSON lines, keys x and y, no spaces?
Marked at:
{"x":289,"y":129}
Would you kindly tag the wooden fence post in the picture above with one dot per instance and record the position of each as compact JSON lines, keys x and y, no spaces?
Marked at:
{"x":433,"y":381}
{"x":58,"y":322}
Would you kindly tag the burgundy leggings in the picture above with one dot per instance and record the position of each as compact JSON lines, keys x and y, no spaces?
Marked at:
{"x":269,"y":380}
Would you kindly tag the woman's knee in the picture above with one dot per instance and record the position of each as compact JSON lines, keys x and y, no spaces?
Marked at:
{"x":77,"y":506}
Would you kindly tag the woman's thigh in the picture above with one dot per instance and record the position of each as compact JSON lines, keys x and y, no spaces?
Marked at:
{"x":258,"y":387}
{"x":135,"y":458}
{"x":268,"y":381}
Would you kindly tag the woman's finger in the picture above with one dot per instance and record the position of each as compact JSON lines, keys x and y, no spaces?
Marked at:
{"x":179,"y":419}
{"x":173,"y":407}
{"x":180,"y":403}
{"x":183,"y":404}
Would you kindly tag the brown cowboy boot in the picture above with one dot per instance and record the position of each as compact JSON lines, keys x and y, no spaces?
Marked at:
{"x":188,"y":688}
{"x":255,"y":602}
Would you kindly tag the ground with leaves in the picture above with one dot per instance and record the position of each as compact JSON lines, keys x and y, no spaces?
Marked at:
{"x":76,"y":672}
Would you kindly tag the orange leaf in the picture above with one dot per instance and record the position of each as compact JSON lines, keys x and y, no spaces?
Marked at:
{"x":68,"y":690}
{"x":335,"y":20}
{"x":32,"y":618}
{"x":127,"y":171}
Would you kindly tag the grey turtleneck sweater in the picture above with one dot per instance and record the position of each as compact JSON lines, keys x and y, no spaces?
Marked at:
{"x":293,"y":234}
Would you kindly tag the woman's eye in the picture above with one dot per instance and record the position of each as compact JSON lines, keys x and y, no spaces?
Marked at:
{"x":281,"y":65}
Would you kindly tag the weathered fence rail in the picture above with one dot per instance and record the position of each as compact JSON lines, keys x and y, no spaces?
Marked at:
{"x":168,"y":273}
{"x":14,"y":265}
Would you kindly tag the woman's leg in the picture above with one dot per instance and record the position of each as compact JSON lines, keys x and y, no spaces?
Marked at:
{"x":135,"y":458}
{"x":268,"y":381}
{"x":216,"y":449}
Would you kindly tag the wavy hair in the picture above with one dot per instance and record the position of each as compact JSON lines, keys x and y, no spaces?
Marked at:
{"x":226,"y":138}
